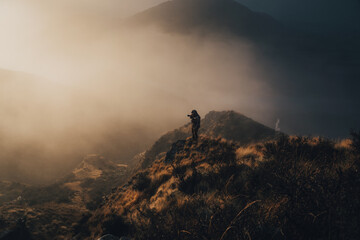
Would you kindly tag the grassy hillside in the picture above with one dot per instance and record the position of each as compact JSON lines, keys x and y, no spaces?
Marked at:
{"x":289,"y":188}
{"x":216,"y":188}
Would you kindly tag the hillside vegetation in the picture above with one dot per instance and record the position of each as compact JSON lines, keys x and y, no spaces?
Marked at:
{"x":288,"y":188}
{"x":240,"y":180}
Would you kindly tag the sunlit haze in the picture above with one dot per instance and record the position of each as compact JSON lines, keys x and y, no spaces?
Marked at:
{"x":76,"y":79}
{"x":85,"y":80}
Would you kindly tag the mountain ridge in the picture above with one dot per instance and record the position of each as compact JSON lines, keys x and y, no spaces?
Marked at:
{"x":211,"y":188}
{"x":229,"y":125}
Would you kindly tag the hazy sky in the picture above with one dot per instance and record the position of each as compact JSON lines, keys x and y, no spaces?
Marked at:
{"x":97,"y":87}
{"x":38,"y":33}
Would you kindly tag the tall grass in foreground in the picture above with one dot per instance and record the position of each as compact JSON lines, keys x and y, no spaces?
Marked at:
{"x":290,"y":188}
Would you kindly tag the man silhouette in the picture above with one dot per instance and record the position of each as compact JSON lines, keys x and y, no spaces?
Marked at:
{"x":195,"y":121}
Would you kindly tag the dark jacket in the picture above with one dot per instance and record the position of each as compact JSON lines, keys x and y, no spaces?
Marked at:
{"x":195,"y":120}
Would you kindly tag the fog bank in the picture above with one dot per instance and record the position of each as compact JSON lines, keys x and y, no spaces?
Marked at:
{"x":93,"y":86}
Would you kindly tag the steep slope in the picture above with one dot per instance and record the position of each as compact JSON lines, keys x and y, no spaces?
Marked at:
{"x":226,"y":124}
{"x":291,"y":188}
{"x":154,"y":187}
{"x":214,"y":17}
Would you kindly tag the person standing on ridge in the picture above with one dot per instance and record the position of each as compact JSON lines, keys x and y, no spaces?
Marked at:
{"x":195,"y":121}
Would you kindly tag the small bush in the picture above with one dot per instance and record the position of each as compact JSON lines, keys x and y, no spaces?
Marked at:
{"x":115,"y":225}
{"x":52,"y":193}
{"x":179,"y":170}
{"x":355,"y":137}
{"x":142,"y":181}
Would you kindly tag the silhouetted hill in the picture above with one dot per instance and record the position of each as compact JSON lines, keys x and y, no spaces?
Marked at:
{"x":226,"y":124}
{"x":215,"y":17}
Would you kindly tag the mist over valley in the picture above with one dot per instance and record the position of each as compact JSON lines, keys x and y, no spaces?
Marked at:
{"x":95,"y":134}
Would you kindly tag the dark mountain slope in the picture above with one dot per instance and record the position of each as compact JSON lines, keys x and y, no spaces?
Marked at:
{"x":208,"y":16}
{"x":227,"y":124}
{"x":317,"y":16}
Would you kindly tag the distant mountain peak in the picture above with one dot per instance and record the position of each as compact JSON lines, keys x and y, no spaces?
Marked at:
{"x":207,"y":16}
